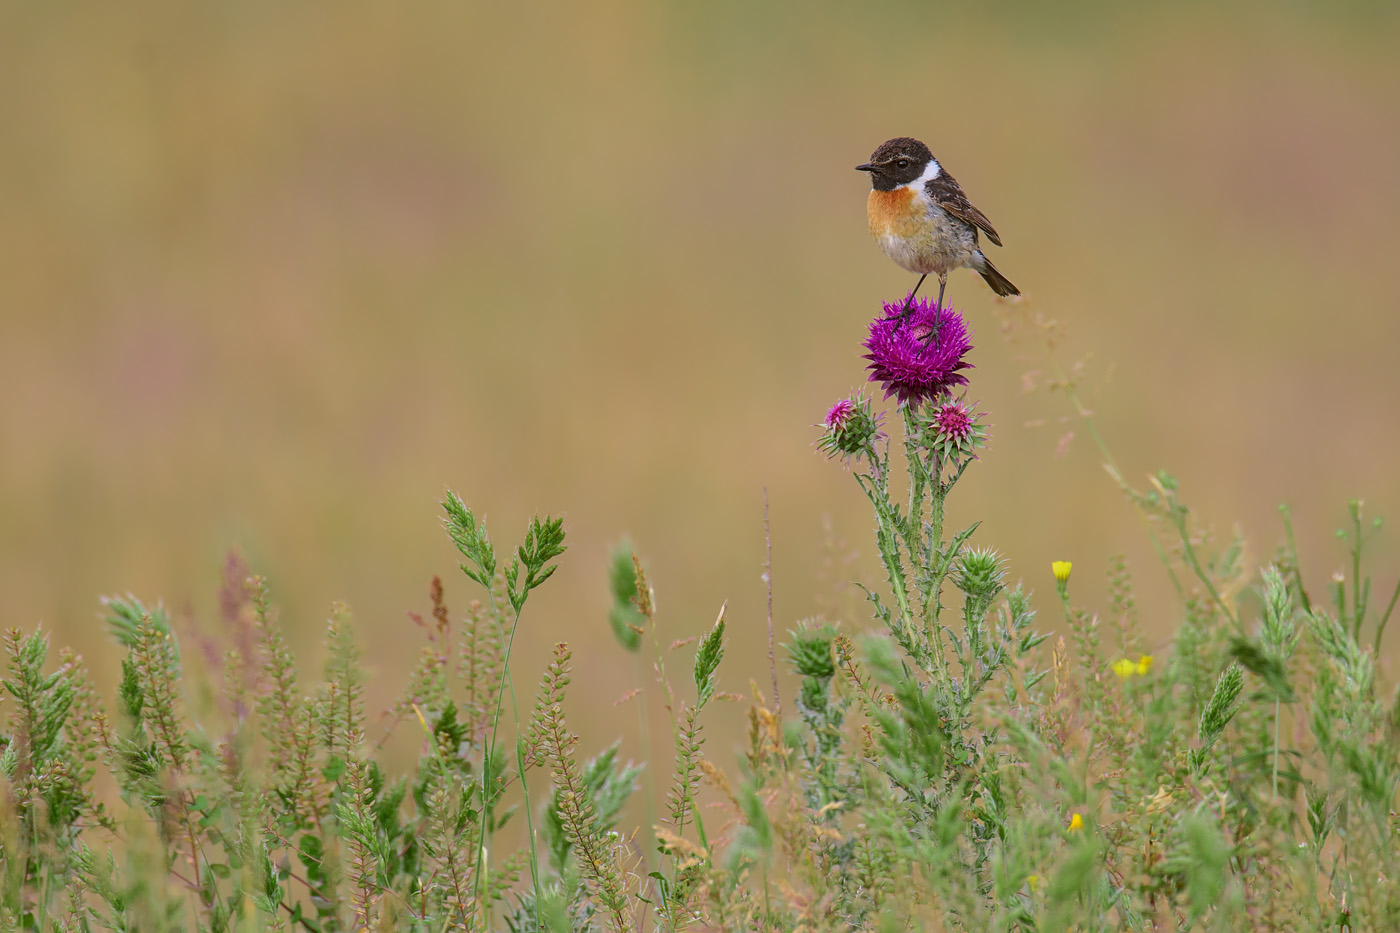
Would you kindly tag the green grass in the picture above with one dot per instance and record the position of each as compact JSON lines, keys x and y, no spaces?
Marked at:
{"x":946,"y":766}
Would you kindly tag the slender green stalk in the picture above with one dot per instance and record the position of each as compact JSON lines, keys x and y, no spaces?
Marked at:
{"x":1065,"y":606}
{"x":1193,"y":561}
{"x":650,"y":615}
{"x":936,"y":567}
{"x":1277,"y":708}
{"x":1293,"y":553}
{"x":1358,"y":610}
{"x":1380,"y":628}
{"x":644,"y":739}
{"x":525,"y":793}
{"x":488,"y":766}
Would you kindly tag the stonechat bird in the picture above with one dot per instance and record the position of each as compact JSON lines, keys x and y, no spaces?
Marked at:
{"x":923,"y":221}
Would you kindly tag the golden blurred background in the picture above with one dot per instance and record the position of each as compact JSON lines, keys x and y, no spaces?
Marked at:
{"x":274,"y":276}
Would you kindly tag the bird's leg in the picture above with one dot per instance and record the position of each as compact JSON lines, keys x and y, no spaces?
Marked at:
{"x":909,"y":302}
{"x":932,"y":337}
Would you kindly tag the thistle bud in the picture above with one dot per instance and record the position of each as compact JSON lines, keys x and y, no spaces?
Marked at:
{"x":852,"y":429}
{"x":980,"y":573}
{"x":956,"y":428}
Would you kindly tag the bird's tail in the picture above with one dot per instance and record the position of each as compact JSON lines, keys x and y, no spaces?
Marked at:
{"x":999,"y":283}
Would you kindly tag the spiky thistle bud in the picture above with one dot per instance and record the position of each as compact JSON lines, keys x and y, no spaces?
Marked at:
{"x":980,"y":572}
{"x":810,"y":650}
{"x":956,"y":429}
{"x":852,"y":429}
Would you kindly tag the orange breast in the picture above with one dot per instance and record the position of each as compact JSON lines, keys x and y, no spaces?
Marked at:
{"x":894,"y":213}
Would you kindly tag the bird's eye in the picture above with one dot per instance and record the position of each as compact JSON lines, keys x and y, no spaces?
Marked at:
{"x":902,"y":163}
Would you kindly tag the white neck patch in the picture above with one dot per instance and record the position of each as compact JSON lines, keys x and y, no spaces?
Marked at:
{"x":931,"y":171}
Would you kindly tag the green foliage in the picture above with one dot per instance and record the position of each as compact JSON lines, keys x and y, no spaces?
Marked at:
{"x":625,"y":618}
{"x":126,"y":616}
{"x":608,"y":785}
{"x":707,"y":658}
{"x":471,"y":539}
{"x":948,"y":770}
{"x":576,"y":811}
{"x":544,"y":541}
{"x":1217,"y":712}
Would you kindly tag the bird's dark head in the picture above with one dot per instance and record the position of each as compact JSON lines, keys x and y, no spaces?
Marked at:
{"x":897,"y":162}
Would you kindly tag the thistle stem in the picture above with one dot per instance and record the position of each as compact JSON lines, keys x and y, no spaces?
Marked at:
{"x":934,"y":566}
{"x":768,"y":579}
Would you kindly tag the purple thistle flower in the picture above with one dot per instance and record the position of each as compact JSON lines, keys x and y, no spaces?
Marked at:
{"x":919,"y":358}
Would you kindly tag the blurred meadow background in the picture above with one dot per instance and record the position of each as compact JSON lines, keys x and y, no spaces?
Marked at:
{"x":273,"y":277}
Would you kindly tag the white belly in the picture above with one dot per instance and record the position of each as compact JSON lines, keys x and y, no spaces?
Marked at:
{"x":938,"y":245}
{"x":909,"y":253}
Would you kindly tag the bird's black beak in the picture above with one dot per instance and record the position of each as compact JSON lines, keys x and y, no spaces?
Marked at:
{"x":867,"y":167}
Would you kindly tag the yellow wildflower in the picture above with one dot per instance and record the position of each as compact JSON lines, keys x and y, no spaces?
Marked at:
{"x":1076,"y":822}
{"x":1061,"y":569}
{"x":1033,"y":881}
{"x":1124,"y":668}
{"x":1144,"y":663}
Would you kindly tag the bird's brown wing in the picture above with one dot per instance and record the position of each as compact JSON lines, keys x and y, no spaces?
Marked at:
{"x":948,"y":194}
